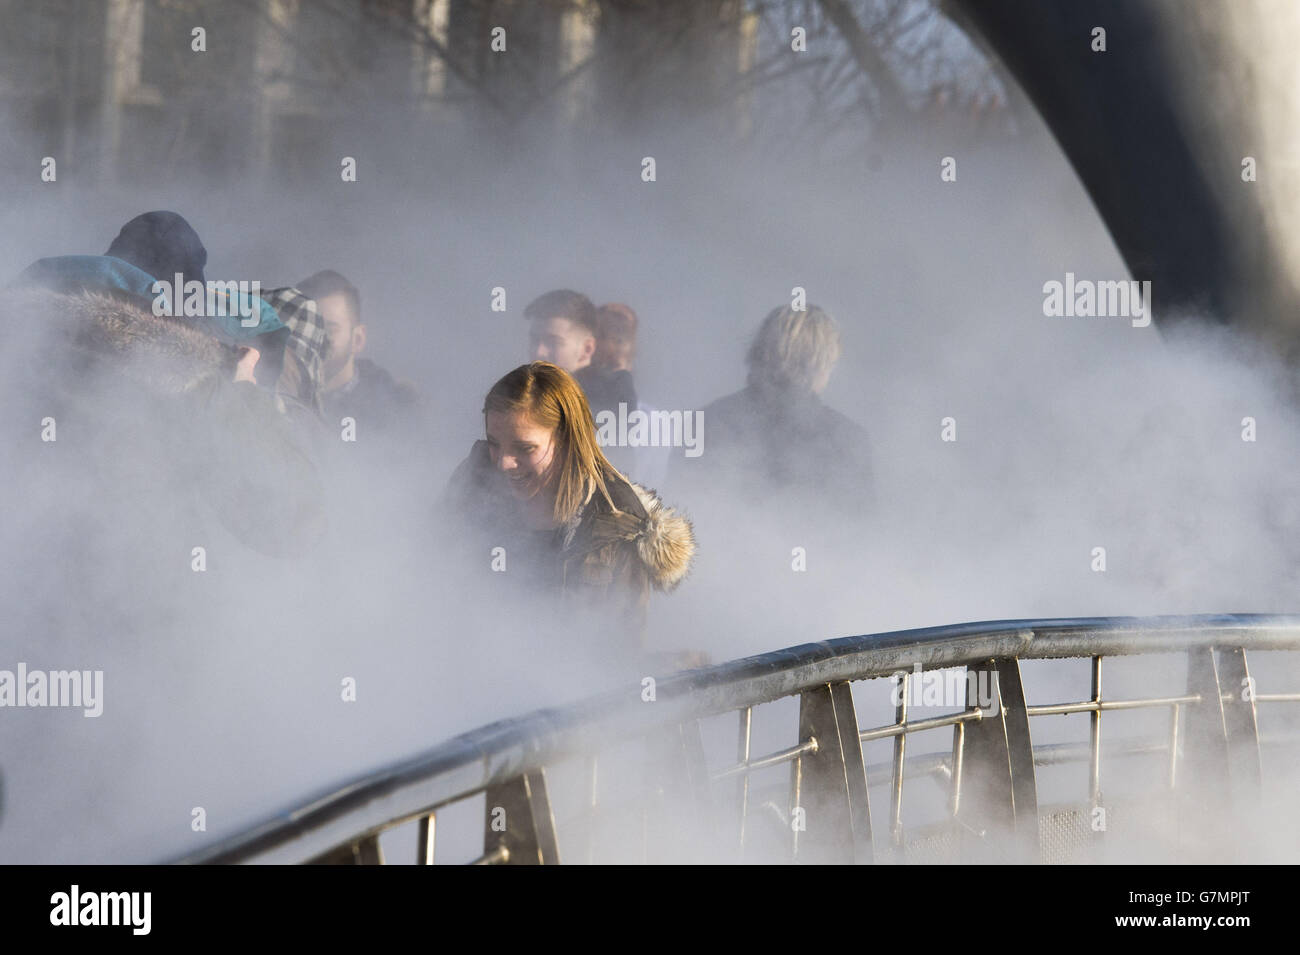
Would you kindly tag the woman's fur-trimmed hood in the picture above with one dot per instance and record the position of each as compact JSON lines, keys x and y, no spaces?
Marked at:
{"x":663,"y":539}
{"x":666,"y":545}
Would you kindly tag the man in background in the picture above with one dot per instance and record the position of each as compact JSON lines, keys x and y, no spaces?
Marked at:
{"x":562,"y":329}
{"x":353,"y":386}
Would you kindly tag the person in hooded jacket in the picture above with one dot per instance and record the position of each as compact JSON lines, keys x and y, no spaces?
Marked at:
{"x":153,"y":258}
{"x":146,"y":401}
{"x":539,"y":487}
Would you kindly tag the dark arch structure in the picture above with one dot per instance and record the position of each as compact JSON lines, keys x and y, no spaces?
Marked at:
{"x":1156,"y":127}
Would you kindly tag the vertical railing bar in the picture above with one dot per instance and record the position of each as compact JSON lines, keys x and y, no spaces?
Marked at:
{"x":797,"y":807}
{"x":1173,"y":746}
{"x":1094,"y":774}
{"x":900,"y":751}
{"x":591,"y":815}
{"x":958,"y":750}
{"x":746,"y":729}
{"x":428,"y":831}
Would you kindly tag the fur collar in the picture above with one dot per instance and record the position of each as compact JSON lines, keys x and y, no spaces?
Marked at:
{"x":667,"y":544}
{"x":165,"y":355}
{"x":663,"y":538}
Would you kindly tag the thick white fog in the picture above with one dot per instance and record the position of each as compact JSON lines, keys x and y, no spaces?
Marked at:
{"x":222,"y":688}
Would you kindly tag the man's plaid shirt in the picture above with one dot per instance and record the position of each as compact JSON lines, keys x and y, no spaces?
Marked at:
{"x":307,"y":339}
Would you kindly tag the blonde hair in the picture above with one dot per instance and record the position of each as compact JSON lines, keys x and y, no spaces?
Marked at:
{"x":551,"y":398}
{"x":794,"y":349}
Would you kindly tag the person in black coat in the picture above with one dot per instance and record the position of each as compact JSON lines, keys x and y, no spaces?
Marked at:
{"x":776,"y":437}
{"x":353,"y":386}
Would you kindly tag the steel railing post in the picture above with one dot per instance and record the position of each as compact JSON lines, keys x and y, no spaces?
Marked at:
{"x":518,"y":819}
{"x":998,"y":811}
{"x":836,"y":809}
{"x":1240,"y":724}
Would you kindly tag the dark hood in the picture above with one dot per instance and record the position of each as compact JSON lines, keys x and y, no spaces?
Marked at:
{"x":162,"y":244}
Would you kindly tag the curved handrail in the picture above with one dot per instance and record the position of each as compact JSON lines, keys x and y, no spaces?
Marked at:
{"x":507,"y":749}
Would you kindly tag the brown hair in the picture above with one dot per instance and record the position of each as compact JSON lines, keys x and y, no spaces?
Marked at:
{"x":615,"y":335}
{"x":551,"y":398}
{"x":330,"y":282}
{"x":564,"y":303}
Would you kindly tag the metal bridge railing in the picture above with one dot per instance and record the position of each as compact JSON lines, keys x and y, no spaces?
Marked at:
{"x":1211,"y":762}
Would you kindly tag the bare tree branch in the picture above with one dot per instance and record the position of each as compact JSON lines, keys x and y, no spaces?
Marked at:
{"x":892,"y":101}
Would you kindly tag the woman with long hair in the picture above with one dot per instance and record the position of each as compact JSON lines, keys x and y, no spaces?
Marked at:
{"x":539,"y":486}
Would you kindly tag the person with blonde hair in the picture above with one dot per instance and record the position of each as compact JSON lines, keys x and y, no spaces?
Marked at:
{"x":794,"y":352}
{"x":539,"y":488}
{"x":776,"y":437}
